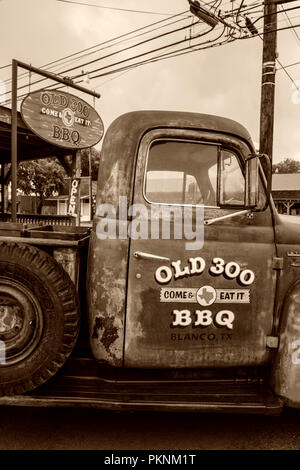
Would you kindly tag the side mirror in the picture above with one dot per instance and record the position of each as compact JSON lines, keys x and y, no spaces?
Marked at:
{"x":252,"y":168}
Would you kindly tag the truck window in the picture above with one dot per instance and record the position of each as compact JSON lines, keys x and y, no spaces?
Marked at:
{"x":181,"y":172}
{"x":232,"y":181}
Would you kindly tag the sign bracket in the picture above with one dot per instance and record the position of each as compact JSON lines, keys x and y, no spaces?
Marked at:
{"x":14,"y":117}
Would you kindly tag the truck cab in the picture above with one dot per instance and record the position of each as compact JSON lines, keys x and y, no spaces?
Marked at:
{"x":192,"y":281}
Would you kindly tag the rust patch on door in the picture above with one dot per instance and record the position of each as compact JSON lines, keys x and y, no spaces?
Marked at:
{"x":109,"y":332}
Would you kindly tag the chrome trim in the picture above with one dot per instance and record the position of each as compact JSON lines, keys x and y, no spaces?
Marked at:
{"x":142,"y":255}
{"x":228,"y":216}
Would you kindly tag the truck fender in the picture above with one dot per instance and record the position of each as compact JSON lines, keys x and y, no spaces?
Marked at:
{"x":285,"y":373}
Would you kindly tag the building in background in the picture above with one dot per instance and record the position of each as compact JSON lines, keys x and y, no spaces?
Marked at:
{"x":58,"y":205}
{"x":286,"y":192}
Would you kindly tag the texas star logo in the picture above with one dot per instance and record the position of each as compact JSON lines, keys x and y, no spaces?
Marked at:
{"x":67,"y":117}
{"x":206,"y":295}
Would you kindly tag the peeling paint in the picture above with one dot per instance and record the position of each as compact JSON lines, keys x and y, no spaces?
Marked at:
{"x":285,"y":375}
{"x":106,"y":290}
{"x":109,"y":332}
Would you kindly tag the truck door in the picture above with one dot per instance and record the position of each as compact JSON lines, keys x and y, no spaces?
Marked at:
{"x":206,"y":302}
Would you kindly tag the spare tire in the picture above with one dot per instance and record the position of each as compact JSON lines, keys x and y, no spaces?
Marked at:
{"x":39,"y":317}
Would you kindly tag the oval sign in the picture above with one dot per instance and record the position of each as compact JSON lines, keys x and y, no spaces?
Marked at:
{"x":62,"y":119}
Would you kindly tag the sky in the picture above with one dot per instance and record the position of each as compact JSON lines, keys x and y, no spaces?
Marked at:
{"x":225,"y":80}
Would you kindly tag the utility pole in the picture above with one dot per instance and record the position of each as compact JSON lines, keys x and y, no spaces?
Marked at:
{"x":268,"y":78}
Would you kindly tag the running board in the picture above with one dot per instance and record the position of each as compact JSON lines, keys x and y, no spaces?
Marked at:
{"x":225,"y":396}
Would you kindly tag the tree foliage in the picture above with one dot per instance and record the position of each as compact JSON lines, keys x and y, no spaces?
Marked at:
{"x":95,"y":159}
{"x":43,"y":177}
{"x":288,"y":165}
{"x":68,"y":163}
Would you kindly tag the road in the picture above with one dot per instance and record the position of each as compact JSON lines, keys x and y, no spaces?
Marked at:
{"x":87,"y":429}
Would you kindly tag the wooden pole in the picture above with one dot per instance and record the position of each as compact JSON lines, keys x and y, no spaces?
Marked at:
{"x":2,"y":187}
{"x":268,"y":79}
{"x":78,"y":175}
{"x":14,"y":141}
{"x":90,"y":183}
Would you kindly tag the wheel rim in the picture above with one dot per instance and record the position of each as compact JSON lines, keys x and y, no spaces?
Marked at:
{"x":21,"y":322}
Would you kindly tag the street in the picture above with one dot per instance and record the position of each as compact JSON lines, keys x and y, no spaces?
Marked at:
{"x":88,"y":429}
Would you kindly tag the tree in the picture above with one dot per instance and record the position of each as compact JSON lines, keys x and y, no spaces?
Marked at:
{"x":43,"y":177}
{"x":288,"y":165}
{"x":95,"y":159}
{"x":68,"y":163}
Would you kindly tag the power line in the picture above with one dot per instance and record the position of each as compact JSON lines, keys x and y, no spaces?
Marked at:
{"x":289,"y":65}
{"x":289,"y":76}
{"x":121,"y":41}
{"x":283,"y":67}
{"x":293,"y":30}
{"x":114,"y":8}
{"x":142,"y":43}
{"x":149,"y":60}
{"x":112,"y":54}
{"x":108,"y":44}
{"x":167,"y":55}
{"x":156,"y":59}
{"x":276,"y":13}
{"x":55,"y":63}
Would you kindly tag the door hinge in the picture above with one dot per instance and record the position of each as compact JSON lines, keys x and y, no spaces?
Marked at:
{"x":272,"y":342}
{"x":277,"y":263}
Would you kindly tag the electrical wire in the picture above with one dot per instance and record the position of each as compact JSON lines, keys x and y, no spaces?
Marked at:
{"x":289,"y":65}
{"x":112,"y":54}
{"x":113,"y":8}
{"x":127,"y":60}
{"x":83,"y":65}
{"x":148,"y":52}
{"x":276,"y":13}
{"x":166,"y":55}
{"x":294,"y":32}
{"x":283,"y":67}
{"x":128,"y":68}
{"x":55,"y":63}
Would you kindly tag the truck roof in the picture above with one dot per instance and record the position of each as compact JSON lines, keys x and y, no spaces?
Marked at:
{"x":121,"y":143}
{"x":141,"y":121}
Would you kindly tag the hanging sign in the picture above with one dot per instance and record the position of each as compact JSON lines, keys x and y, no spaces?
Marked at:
{"x":62,"y":119}
{"x":73,"y":202}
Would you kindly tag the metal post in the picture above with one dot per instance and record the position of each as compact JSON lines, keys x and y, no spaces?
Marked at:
{"x":14,"y":141}
{"x":78,"y":175}
{"x":2,"y":187}
{"x":90,"y":183}
{"x":14,"y":121}
{"x":65,"y":81}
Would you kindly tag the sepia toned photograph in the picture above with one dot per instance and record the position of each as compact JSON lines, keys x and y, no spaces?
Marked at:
{"x":149,"y":227}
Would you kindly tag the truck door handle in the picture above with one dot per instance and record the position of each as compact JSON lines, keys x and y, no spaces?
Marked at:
{"x":141,"y":255}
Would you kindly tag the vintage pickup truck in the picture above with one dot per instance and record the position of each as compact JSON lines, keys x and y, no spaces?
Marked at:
{"x":188,"y":283}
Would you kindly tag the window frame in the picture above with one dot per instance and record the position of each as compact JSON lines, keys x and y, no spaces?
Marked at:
{"x":219,"y":179}
{"x":187,"y":140}
{"x":226,"y":141}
